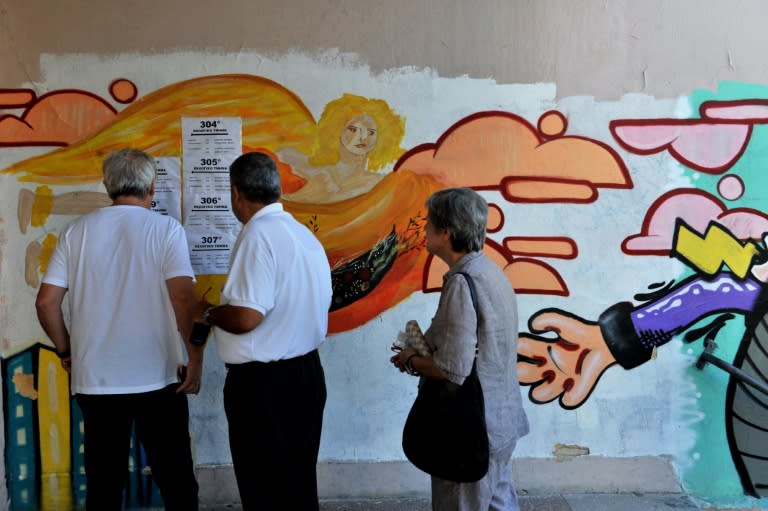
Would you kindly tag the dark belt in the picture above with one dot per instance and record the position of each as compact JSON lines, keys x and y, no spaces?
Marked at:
{"x":285,"y":362}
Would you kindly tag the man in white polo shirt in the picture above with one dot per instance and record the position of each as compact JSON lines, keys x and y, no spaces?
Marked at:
{"x":273,"y":317}
{"x":128,"y":276}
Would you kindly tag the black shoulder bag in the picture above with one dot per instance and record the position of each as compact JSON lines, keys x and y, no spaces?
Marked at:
{"x":445,"y":433}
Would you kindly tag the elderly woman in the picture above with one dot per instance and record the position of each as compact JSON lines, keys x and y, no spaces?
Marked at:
{"x":455,"y":232}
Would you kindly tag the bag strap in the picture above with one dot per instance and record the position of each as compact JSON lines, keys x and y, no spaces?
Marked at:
{"x":472,"y":291}
{"x":473,"y":294}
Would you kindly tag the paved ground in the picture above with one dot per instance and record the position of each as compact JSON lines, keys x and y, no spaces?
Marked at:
{"x":571,"y":502}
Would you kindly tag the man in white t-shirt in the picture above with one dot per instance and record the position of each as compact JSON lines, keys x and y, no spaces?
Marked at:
{"x":273,"y":317}
{"x":129,"y":280}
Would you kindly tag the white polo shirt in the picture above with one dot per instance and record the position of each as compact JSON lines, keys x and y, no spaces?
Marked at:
{"x":279,"y":268}
{"x":114,"y":261}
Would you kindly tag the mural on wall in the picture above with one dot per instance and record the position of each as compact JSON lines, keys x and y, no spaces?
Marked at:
{"x":729,"y":269}
{"x":378,"y":229}
{"x":347,"y":176}
{"x":370,"y":222}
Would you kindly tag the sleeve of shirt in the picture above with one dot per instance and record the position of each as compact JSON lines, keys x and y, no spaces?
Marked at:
{"x":57,"y":271}
{"x":453,"y":331}
{"x":176,"y":262}
{"x":252,"y":276}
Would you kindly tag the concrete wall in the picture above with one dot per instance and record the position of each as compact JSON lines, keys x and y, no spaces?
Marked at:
{"x":596,"y":227}
{"x":595,"y":48}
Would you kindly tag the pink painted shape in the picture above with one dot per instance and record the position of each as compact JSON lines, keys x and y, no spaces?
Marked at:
{"x":648,"y":138}
{"x":730,"y":187}
{"x":701,"y":145}
{"x":711,"y":146}
{"x":697,"y":210}
{"x":745,"y":224}
{"x":757,"y":113}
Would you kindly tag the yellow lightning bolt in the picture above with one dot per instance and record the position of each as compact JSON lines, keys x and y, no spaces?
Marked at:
{"x":717,"y":247}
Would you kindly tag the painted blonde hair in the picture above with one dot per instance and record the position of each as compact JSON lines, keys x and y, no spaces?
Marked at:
{"x":390,"y":126}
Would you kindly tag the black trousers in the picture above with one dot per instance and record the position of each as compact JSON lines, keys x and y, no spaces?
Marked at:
{"x":162,"y":426}
{"x":275,"y":416}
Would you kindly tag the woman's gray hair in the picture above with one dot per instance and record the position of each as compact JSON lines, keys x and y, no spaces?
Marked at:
{"x":129,"y":172}
{"x":464,"y":213}
{"x":256,"y":177}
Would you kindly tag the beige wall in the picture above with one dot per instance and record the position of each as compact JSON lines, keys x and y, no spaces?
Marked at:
{"x":602,"y":48}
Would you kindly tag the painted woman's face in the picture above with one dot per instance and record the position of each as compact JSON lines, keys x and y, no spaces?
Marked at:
{"x":359,"y":134}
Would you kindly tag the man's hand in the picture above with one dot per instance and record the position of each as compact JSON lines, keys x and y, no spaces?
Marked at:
{"x":66,"y":363}
{"x":192,"y":378}
{"x":567,"y":366}
{"x":199,"y":311}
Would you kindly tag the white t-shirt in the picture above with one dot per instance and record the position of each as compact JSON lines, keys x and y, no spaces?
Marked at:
{"x":115,"y":262}
{"x":279,"y":268}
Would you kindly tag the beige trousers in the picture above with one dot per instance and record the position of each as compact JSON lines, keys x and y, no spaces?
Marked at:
{"x":494,"y":492}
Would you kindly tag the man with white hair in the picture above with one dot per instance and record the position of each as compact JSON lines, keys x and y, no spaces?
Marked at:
{"x":129,"y":279}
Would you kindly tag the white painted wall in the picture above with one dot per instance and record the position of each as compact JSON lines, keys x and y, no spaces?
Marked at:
{"x":368,"y":400}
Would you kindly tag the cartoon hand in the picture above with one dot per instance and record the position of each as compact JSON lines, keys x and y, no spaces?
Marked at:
{"x":568,"y":366}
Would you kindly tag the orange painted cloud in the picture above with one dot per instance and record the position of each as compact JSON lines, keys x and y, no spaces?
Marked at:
{"x":55,"y":119}
{"x":528,"y":276}
{"x":499,"y":150}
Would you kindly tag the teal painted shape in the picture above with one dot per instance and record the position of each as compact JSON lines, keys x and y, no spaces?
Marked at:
{"x":21,"y":447}
{"x":709,"y":473}
{"x":78,"y":456}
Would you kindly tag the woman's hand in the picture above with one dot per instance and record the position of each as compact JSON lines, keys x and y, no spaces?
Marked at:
{"x":401,"y":356}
